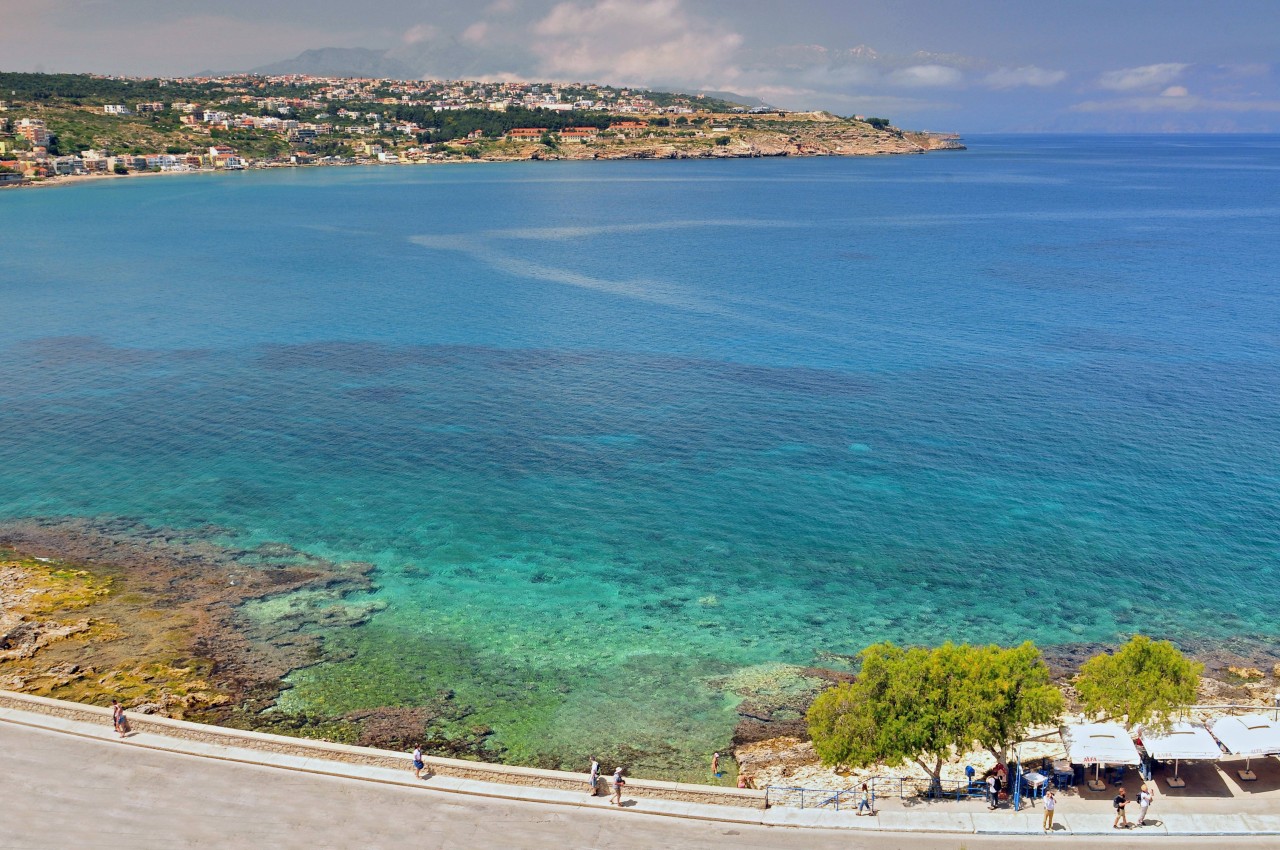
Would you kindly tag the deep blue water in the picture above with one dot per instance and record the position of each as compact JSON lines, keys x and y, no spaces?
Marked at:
{"x":613,"y":432}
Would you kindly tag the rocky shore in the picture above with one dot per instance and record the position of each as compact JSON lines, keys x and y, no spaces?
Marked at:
{"x":181,"y":623}
{"x":95,"y":609}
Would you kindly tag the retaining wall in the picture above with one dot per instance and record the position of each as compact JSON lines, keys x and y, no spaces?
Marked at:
{"x":307,"y":748}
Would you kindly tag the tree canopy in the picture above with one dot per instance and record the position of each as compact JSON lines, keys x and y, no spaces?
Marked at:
{"x":924,"y":704}
{"x":1145,"y":681}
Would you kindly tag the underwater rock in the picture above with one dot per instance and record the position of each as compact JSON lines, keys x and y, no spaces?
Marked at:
{"x":192,"y":591}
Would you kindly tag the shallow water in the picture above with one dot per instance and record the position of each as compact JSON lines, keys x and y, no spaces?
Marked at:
{"x":614,"y":432}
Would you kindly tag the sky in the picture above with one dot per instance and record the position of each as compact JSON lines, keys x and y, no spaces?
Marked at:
{"x":976,"y":66}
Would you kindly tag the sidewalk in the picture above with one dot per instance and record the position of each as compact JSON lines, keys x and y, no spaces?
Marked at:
{"x":1262,"y":819}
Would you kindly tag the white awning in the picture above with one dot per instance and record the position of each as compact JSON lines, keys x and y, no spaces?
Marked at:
{"x":1250,"y":735}
{"x":1099,"y":743}
{"x":1185,"y":741}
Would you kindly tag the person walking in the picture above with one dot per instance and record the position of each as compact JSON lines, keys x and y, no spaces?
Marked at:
{"x":418,"y":763}
{"x":618,"y":784}
{"x":1050,"y":804}
{"x":593,"y":779}
{"x":715,"y":765}
{"x":864,"y":801}
{"x":1122,"y":820}
{"x":992,"y":791}
{"x":997,"y":787}
{"x":1144,"y":802}
{"x":118,"y":721}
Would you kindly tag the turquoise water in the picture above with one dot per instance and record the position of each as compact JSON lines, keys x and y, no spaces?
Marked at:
{"x":621,"y":437}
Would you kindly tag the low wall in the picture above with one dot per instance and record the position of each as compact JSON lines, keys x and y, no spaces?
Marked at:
{"x":307,"y":748}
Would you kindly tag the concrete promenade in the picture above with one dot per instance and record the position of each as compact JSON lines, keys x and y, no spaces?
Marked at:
{"x":67,"y":782}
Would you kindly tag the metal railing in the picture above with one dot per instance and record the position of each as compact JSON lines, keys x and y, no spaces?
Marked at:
{"x":903,"y":788}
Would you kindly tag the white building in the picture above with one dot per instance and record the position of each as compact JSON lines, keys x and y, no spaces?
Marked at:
{"x":115,"y":109}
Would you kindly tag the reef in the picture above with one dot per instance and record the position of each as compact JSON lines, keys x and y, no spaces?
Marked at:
{"x":102,"y":608}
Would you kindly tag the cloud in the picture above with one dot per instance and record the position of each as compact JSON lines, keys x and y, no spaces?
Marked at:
{"x":927,"y":76}
{"x":1027,"y":75}
{"x":1144,"y":77}
{"x":1175,"y":91}
{"x":1176,"y":103}
{"x":634,"y":42}
{"x":419,"y":33}
{"x":475,"y":34}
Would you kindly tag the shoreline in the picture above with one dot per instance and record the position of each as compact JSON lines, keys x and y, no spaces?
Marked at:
{"x":921,"y":143}
{"x":91,"y":609}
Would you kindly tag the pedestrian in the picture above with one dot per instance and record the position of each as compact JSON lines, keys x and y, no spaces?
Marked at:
{"x":715,"y":765}
{"x":618,"y":784}
{"x":864,"y":801}
{"x":1050,"y":803}
{"x":1122,"y":820}
{"x":998,"y":789}
{"x":118,"y":721}
{"x":418,"y":763}
{"x":593,"y":779}
{"x":991,"y":791}
{"x":1144,"y":802}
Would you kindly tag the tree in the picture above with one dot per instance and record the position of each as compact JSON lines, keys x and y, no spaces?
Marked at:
{"x":1145,"y":681}
{"x":1010,"y":691}
{"x":924,"y":705}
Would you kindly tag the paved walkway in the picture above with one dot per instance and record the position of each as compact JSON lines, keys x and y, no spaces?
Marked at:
{"x":66,"y":783}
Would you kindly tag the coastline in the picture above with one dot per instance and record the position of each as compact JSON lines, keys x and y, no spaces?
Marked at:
{"x":92,"y":609}
{"x":908,"y":143}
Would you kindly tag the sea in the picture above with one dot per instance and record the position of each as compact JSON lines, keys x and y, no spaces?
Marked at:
{"x":628,"y":442}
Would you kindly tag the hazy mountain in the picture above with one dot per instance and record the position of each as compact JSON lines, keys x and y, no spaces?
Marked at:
{"x":732,"y":97}
{"x":341,"y":62}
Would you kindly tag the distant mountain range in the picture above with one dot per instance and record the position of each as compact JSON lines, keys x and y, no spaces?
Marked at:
{"x":340,"y":62}
{"x":428,"y":60}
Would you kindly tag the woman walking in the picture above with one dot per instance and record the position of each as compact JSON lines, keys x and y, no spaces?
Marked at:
{"x":618,"y":784}
{"x":418,"y":763}
{"x":864,"y":801}
{"x":118,"y":721}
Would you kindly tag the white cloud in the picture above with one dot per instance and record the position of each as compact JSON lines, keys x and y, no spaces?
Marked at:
{"x":634,"y":42}
{"x":1175,"y":91}
{"x":927,"y":76}
{"x":1144,"y":77}
{"x":475,"y":34}
{"x":1188,"y":103}
{"x":1027,"y":75}
{"x":419,"y":33}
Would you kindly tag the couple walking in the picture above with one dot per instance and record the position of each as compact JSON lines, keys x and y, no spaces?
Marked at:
{"x":593,"y":782}
{"x":1145,"y":796}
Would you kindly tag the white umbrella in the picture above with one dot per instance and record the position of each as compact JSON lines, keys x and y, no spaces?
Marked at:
{"x":1182,"y":740}
{"x":1250,"y":735}
{"x":1098,"y":744}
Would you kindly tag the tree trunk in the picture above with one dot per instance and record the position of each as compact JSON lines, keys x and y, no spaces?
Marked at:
{"x":935,"y":772}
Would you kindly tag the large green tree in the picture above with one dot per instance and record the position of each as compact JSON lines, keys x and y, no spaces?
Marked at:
{"x":1146,"y":682}
{"x":1008,"y":691}
{"x":926,"y":704}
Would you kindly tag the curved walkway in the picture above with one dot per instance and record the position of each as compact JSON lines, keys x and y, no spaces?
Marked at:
{"x":69,"y":783}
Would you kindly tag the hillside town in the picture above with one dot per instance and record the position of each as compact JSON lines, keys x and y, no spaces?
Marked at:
{"x":57,"y":126}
